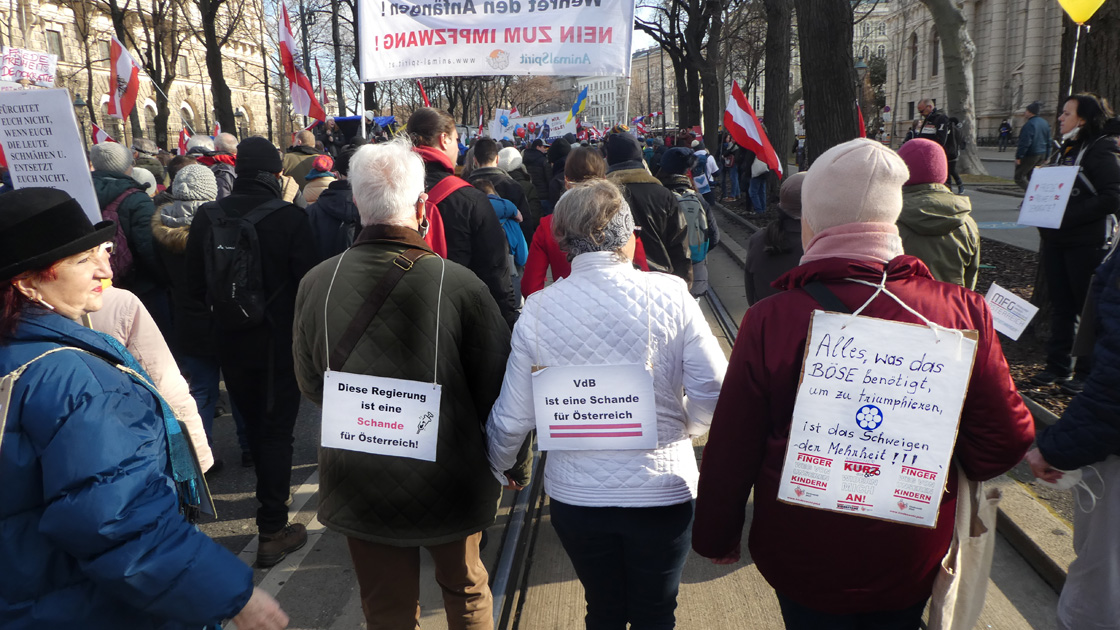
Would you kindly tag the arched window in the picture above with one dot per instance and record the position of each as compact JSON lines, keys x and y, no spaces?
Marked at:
{"x":913,"y":56}
{"x":866,"y":54}
{"x":881,"y":51}
{"x":866,"y":29}
{"x":882,"y":27}
{"x":934,"y":52}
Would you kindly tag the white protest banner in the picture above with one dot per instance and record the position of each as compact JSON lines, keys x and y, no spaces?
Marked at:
{"x":554,"y":125}
{"x":429,"y":38}
{"x":595,"y":407}
{"x":875,"y":418}
{"x":380,"y":416}
{"x":43,"y":145}
{"x":1044,"y":205}
{"x":1010,"y":313}
{"x":37,"y":67}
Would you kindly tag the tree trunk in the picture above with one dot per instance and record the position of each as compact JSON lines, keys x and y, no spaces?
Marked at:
{"x":779,"y":116}
{"x":116,"y":14}
{"x":267,"y":81}
{"x":1097,"y":54}
{"x":340,"y":100}
{"x":824,"y":29}
{"x":959,"y":52}
{"x":223,"y":99}
{"x":712,"y":87}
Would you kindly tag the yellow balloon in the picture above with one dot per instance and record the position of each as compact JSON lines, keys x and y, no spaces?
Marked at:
{"x":1081,"y":10}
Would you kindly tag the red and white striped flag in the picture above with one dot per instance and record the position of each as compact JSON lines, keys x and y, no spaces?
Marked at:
{"x":480,"y":122}
{"x":322,"y":88}
{"x":303,"y":95}
{"x":513,"y":113}
{"x":184,"y":138}
{"x":641,"y":127}
{"x":98,"y":135}
{"x":862,"y":126}
{"x":124,"y":80}
{"x":740,"y":121}
{"x":423,"y":94}
{"x":217,"y":129}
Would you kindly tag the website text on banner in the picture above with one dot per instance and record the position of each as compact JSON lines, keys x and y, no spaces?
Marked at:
{"x":426,"y":38}
{"x":875,"y":418}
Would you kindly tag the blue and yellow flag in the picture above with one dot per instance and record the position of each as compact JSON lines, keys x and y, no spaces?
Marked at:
{"x":579,"y":106}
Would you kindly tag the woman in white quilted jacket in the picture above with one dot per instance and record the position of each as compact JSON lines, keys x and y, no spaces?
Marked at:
{"x":625,"y":372}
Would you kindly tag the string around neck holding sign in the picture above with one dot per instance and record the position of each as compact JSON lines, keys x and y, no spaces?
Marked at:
{"x":881,"y":287}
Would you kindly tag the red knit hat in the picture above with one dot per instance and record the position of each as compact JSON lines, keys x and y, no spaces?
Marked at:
{"x":926,"y":161}
{"x":325,"y":163}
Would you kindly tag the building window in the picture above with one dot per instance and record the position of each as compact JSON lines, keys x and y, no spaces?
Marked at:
{"x":184,"y":69}
{"x":913,"y":56}
{"x":866,"y":54}
{"x":934,"y":52}
{"x":866,"y":29}
{"x":54,"y":44}
{"x":910,"y":107}
{"x":103,"y":54}
{"x":882,"y":28}
{"x":241,"y":76}
{"x":881,"y":51}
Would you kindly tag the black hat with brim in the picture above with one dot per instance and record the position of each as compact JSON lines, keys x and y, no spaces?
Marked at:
{"x":39,"y":226}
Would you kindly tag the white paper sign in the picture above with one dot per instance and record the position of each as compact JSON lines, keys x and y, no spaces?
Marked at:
{"x":38,"y":67}
{"x":875,"y":418}
{"x":1010,"y":313}
{"x":43,"y":146}
{"x":595,"y":407}
{"x":381,"y":416}
{"x":428,"y":38}
{"x":1044,"y":204}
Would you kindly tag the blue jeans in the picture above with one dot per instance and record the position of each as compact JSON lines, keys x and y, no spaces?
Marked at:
{"x":202,"y":374}
{"x":629,"y":561}
{"x":757,"y":193}
{"x":731,"y":181}
{"x":798,"y":617}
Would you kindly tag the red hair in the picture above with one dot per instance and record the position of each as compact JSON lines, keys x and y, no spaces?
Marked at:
{"x":13,"y":301}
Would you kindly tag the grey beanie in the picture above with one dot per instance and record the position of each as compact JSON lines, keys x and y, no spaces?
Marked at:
{"x":195,"y":182}
{"x":112,"y":157}
{"x":1034,"y":108}
{"x":509,"y":159}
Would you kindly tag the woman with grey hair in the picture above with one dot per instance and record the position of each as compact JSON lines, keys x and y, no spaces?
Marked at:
{"x":633,"y":355}
{"x":435,"y":330}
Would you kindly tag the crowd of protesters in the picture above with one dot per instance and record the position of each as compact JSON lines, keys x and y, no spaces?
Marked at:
{"x":415,"y":259}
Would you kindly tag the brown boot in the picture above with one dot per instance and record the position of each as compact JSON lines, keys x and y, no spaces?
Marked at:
{"x":271,"y":548}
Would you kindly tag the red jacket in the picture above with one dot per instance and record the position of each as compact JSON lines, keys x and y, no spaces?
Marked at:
{"x":544,"y":252}
{"x":838,"y":563}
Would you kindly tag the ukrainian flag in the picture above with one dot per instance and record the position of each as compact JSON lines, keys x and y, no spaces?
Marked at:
{"x":579,"y":106}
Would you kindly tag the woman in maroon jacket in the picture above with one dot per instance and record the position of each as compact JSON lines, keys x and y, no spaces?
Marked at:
{"x":833,"y":570}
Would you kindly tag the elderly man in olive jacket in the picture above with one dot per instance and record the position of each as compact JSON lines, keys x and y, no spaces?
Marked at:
{"x":438,"y":322}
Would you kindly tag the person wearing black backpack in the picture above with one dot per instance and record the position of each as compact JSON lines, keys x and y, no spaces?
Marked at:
{"x":246,"y":254}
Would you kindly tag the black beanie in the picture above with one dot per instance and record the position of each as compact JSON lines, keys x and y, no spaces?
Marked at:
{"x":559,"y":150}
{"x":256,"y":155}
{"x":676,"y":161}
{"x":622,"y":147}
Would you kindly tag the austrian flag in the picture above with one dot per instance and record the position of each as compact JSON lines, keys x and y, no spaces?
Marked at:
{"x":743,"y":125}
{"x":303,"y":95}
{"x":99,"y":136}
{"x":124,"y":80}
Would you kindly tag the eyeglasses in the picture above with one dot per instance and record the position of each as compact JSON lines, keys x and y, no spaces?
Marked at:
{"x":105,"y":248}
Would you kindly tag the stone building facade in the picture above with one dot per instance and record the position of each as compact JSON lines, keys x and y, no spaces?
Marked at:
{"x":1018,"y":57}
{"x":42,"y":26}
{"x":653,"y":86}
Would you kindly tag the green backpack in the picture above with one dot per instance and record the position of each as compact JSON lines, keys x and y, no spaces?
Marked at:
{"x":697,"y":221}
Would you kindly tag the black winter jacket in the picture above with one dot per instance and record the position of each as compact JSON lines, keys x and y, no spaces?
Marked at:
{"x":532,"y":219}
{"x":664,"y":230}
{"x":540,"y":171}
{"x":475,"y":239}
{"x":334,"y":220}
{"x":1084,"y":222}
{"x":286,"y":255}
{"x":1089,"y":430}
{"x":135,"y":215}
{"x":192,"y":324}
{"x":937,"y":127}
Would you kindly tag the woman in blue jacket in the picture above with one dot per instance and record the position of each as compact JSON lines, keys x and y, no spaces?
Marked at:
{"x":96,"y":476}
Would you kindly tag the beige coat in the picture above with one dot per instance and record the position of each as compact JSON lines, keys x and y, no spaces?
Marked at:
{"x":125,"y":318}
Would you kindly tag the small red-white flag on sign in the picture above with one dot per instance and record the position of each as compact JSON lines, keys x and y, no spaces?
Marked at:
{"x":124,"y":80}
{"x":99,"y":136}
{"x":740,"y":121}
{"x":303,"y":95}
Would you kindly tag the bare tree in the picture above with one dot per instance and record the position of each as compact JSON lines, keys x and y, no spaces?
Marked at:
{"x":1096,"y":55}
{"x":84,"y":14}
{"x":779,"y":116}
{"x":824,"y":29}
{"x":217,"y":22}
{"x":120,"y":15}
{"x":958,"y":52}
{"x":164,"y":34}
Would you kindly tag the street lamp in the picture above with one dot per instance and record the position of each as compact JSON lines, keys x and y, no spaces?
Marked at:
{"x":80,"y":110}
{"x":861,"y":75}
{"x":240,"y":123}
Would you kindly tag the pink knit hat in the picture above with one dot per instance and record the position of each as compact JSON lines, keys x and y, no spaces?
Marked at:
{"x":859,"y":181}
{"x":926,"y":161}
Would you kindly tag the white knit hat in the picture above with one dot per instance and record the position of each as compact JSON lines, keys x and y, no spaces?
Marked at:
{"x":859,"y":181}
{"x":145,"y":178}
{"x":195,"y":182}
{"x":509,"y":159}
{"x":112,"y":157}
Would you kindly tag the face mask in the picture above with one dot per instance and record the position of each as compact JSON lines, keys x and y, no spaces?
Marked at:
{"x":423,"y":229}
{"x":1071,"y":134}
{"x":1075,"y":479}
